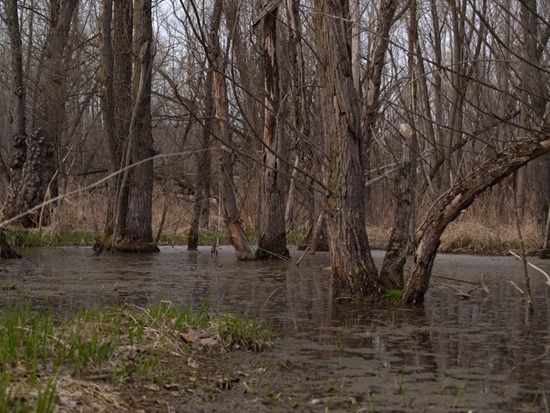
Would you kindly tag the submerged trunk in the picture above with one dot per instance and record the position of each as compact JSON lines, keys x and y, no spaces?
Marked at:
{"x":354,"y":274}
{"x":459,"y":197}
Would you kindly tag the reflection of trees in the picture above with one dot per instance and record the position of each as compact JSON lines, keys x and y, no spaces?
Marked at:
{"x":492,"y":337}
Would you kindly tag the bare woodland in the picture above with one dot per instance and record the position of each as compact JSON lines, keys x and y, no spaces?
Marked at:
{"x":318,"y":116}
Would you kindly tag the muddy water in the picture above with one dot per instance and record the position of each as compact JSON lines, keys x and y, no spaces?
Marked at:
{"x":482,"y":354}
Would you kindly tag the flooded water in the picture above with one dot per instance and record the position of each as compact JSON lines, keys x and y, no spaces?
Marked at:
{"x":482,"y":354}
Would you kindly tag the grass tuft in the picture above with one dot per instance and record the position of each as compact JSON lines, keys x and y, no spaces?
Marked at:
{"x":393,"y":294}
{"x":123,"y":344}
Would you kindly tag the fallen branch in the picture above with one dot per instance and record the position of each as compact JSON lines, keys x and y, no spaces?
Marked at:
{"x":480,"y":284}
{"x":533,"y":266}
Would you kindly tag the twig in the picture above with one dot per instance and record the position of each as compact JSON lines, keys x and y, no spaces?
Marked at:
{"x":268,"y":298}
{"x":529,"y":296}
{"x":280,"y":256}
{"x":302,"y":257}
{"x":517,"y":287}
{"x":459,"y":292}
{"x":455,"y":279}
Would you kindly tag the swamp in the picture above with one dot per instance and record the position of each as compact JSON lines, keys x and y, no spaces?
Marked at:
{"x":387,"y":133}
{"x":473,"y":345}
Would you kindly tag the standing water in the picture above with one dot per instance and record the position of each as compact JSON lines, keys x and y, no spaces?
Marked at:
{"x":483,"y":353}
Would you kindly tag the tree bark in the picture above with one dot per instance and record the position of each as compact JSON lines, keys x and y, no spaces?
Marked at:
{"x":456,"y":199}
{"x":354,"y":275}
{"x":272,"y":242}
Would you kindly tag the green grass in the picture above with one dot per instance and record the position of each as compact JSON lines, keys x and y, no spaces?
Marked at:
{"x":123,"y":344}
{"x":393,"y":294}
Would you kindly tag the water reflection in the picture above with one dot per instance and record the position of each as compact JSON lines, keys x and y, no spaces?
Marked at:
{"x":488,"y":350}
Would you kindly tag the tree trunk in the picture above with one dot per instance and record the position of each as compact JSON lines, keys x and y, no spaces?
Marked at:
{"x":138,"y":234}
{"x":128,"y":127}
{"x":118,"y":115}
{"x":203,"y":168}
{"x":300,"y":107}
{"x":35,"y":179}
{"x":35,"y":185}
{"x":108,"y":107}
{"x":18,"y":150}
{"x":374,"y":81}
{"x":272,"y":242}
{"x":534,"y":100}
{"x":14,"y":204}
{"x":542,"y":209}
{"x":404,"y":220}
{"x":403,"y":224}
{"x":52,"y":113}
{"x":228,"y":199}
{"x":354,"y":275}
{"x":456,"y":199}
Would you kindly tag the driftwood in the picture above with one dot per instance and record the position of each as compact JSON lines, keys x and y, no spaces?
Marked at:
{"x":459,"y":292}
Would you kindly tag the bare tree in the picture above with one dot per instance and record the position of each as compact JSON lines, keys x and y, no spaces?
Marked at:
{"x":458,"y":198}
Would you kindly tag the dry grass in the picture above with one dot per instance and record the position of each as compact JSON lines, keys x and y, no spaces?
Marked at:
{"x":473,"y":236}
{"x":480,"y":230}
